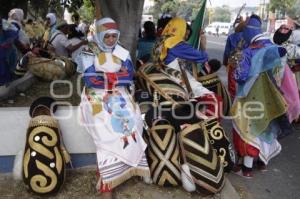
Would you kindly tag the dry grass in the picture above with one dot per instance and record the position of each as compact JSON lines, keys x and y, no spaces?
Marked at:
{"x":80,"y":184}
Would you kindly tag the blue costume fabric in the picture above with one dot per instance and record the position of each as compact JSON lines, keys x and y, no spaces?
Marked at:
{"x":242,"y":72}
{"x":260,"y":57}
{"x":186,"y":52}
{"x":98,"y":80}
{"x":232,"y":43}
{"x":259,"y":70}
{"x":7,"y":39}
{"x":252,"y":29}
{"x":52,"y":31}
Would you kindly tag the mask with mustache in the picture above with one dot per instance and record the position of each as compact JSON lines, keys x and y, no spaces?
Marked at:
{"x":280,"y":37}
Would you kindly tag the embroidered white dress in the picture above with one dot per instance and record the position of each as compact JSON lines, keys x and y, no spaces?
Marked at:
{"x":114,"y":121}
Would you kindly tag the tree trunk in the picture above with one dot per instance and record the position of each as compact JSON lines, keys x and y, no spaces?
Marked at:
{"x":127,"y":14}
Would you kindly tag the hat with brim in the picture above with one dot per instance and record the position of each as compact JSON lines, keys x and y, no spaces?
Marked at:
{"x":41,"y":105}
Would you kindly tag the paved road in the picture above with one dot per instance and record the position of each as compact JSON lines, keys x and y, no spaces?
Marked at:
{"x":215,"y":46}
{"x":282,"y":180}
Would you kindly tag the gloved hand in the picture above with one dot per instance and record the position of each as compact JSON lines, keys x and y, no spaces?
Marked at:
{"x":282,"y":51}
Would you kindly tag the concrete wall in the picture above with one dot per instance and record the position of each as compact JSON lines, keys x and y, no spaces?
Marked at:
{"x":14,"y":123}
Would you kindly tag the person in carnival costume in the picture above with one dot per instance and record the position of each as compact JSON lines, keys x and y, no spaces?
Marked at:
{"x":50,"y":24}
{"x":174,"y":48}
{"x":8,"y":36}
{"x":234,"y":45}
{"x":108,"y":111}
{"x":259,"y":75}
{"x":282,"y":37}
{"x":175,"y":114}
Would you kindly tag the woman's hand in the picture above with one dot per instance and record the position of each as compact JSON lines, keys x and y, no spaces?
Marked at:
{"x":202,"y":39}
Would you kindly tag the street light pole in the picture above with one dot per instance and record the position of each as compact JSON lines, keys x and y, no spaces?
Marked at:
{"x":210,"y":12}
{"x":263,"y":9}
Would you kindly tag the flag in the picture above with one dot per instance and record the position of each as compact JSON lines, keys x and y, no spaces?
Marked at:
{"x":197,"y":25}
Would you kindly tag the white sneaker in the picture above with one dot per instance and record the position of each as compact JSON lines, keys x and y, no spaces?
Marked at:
{"x":4,"y":90}
{"x":147,"y":180}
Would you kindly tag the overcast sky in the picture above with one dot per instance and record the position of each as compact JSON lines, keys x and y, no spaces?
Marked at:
{"x":231,"y":3}
{"x":234,"y":3}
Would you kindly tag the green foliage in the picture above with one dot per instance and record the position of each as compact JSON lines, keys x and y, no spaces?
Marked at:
{"x":221,"y":14}
{"x":189,"y":9}
{"x":72,"y":5}
{"x":87,"y":11}
{"x":185,"y":9}
{"x":185,"y":12}
{"x":38,"y":8}
{"x":170,"y":7}
{"x":294,"y":11}
{"x":281,"y":5}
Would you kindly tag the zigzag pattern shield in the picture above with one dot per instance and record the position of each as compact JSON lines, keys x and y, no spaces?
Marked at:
{"x":203,"y":161}
{"x":163,"y":156}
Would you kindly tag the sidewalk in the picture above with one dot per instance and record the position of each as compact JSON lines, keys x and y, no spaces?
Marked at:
{"x":80,"y":184}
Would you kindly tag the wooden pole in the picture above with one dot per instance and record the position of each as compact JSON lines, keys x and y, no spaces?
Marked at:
{"x":185,"y":78}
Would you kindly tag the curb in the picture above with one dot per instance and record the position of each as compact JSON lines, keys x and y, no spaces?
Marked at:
{"x":229,"y":192}
{"x":17,"y":86}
